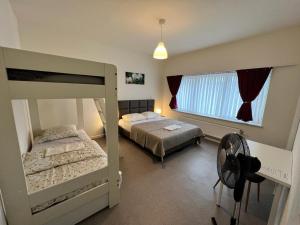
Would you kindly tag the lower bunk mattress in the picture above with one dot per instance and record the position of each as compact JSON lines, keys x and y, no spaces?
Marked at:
{"x":46,"y":171}
{"x":61,"y":174}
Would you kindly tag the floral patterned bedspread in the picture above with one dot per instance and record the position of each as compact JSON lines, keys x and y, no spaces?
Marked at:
{"x":44,"y":172}
{"x":61,"y":174}
{"x":36,"y":160}
{"x":47,"y":178}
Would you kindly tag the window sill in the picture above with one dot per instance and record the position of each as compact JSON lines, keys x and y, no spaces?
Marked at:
{"x":218,"y":118}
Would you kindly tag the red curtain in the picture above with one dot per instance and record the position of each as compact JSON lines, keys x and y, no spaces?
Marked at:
{"x":174,"y":84}
{"x":251,"y":82}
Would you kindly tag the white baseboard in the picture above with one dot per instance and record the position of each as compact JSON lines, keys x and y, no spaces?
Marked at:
{"x":97,"y":136}
{"x":213,"y":139}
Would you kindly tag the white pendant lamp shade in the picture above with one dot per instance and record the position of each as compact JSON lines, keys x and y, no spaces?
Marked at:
{"x":160,"y":51}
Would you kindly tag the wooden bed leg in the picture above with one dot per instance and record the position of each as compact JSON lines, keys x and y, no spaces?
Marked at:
{"x":162,"y":162}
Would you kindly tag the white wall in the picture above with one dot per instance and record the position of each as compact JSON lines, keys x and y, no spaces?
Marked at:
{"x":280,"y":48}
{"x":55,"y":112}
{"x":92,"y":122}
{"x":9,"y":34}
{"x":9,"y":37}
{"x":22,"y":122}
{"x":42,"y":40}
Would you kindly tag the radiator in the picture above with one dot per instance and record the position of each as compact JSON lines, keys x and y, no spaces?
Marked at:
{"x":212,"y":130}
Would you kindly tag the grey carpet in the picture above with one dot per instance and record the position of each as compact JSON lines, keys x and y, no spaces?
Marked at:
{"x":180,"y":194}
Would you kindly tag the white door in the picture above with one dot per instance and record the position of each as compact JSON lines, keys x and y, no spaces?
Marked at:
{"x":292,"y":210}
{"x":2,"y":216}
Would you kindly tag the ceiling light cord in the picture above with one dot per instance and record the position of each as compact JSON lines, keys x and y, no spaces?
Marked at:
{"x":161,"y":37}
{"x":161,"y":23}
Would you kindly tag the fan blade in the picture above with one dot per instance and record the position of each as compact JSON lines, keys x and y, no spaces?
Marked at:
{"x":227,"y":178}
{"x":236,"y":150}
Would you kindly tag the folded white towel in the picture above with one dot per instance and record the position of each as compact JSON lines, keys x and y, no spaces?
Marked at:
{"x":172,"y":127}
{"x":55,"y":150}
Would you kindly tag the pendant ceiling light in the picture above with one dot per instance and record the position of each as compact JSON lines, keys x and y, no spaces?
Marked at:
{"x":160,"y":51}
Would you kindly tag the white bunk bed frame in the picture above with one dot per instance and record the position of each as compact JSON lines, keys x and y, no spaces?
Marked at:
{"x":17,"y":201}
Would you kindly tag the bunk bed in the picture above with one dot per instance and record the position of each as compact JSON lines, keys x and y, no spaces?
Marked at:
{"x":31,"y":76}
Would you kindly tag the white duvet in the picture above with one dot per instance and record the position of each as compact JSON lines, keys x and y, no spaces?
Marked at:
{"x":68,"y":147}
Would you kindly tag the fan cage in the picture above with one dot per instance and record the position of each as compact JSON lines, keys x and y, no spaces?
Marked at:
{"x":228,"y":166}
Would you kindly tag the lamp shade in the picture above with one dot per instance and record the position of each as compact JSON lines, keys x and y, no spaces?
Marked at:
{"x":158,"y":110}
{"x":160,"y":51}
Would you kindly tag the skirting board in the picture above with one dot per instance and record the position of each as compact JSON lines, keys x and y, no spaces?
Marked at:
{"x":97,"y":136}
{"x":213,"y":139}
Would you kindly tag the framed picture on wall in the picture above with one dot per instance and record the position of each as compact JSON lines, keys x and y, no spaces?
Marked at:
{"x":135,"y":78}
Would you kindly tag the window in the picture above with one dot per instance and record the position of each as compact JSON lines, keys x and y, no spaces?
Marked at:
{"x":217,"y":95}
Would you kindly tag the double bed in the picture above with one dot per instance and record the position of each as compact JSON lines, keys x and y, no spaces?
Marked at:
{"x":152,"y":133}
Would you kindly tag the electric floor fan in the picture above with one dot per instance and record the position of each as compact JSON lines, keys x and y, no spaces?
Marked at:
{"x":234,"y":163}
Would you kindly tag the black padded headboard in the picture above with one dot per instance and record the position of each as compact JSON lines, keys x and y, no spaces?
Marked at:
{"x":135,"y":106}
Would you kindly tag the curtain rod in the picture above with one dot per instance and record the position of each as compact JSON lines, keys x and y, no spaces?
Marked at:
{"x":285,"y":65}
{"x":230,"y":71}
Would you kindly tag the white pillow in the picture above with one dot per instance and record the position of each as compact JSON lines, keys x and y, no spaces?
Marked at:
{"x":59,"y":132}
{"x":150,"y":115}
{"x":133,"y":117}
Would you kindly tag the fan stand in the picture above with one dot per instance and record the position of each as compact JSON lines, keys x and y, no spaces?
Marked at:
{"x":235,"y":215}
{"x":218,"y":181}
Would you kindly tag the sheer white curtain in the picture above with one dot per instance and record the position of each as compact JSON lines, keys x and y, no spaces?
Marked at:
{"x":217,"y":95}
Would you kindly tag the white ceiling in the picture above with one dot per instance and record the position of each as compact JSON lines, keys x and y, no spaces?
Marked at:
{"x":132,"y":24}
